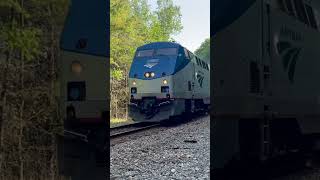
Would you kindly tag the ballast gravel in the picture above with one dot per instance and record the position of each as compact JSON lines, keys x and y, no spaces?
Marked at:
{"x":179,"y":152}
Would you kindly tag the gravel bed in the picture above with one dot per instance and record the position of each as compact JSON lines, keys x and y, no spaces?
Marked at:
{"x":180,"y":152}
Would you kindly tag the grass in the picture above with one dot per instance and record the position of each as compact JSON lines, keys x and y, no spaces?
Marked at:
{"x":119,"y":121}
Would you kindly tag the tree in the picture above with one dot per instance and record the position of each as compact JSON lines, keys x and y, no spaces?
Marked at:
{"x":169,"y":18}
{"x":203,"y":51}
{"x":28,"y":109}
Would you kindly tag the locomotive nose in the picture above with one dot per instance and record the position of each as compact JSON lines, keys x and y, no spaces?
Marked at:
{"x":159,"y":88}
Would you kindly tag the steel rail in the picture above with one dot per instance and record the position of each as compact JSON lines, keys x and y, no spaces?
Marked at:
{"x":113,"y":135}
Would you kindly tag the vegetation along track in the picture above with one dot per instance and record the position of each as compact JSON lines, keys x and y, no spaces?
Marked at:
{"x":131,"y":128}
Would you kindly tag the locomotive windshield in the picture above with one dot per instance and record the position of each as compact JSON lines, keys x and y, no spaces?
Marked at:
{"x":166,"y":52}
{"x":145,"y":53}
{"x":157,"y":52}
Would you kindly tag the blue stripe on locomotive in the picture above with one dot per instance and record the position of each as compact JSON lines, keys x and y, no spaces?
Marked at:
{"x":167,"y":64}
{"x":88,"y":20}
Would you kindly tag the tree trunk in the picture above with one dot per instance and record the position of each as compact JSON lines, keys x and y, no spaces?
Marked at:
{"x":3,"y":97}
{"x":3,"y":109}
{"x":52,"y":79}
{"x":21,"y":125}
{"x":21,"y":121}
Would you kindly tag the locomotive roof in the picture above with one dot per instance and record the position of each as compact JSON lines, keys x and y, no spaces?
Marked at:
{"x":86,"y":28}
{"x":156,"y":45}
{"x":227,"y":11}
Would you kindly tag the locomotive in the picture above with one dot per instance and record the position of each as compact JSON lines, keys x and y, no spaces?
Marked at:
{"x":83,"y":85}
{"x":266,"y":99}
{"x":166,"y":81}
{"x":83,"y":65}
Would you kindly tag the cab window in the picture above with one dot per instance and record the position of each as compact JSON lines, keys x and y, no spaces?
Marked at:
{"x":145,"y":53}
{"x":166,"y":52}
{"x":186,"y":53}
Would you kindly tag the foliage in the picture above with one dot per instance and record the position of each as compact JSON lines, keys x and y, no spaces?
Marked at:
{"x":118,"y":122}
{"x":169,"y":18}
{"x":204,"y":50}
{"x":24,"y":39}
{"x":29,"y":120}
{"x":133,"y":24}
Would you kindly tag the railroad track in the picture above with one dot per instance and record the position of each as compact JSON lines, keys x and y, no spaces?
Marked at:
{"x":131,"y":128}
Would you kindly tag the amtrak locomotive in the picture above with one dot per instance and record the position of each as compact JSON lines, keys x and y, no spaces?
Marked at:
{"x":266,"y":95}
{"x":83,"y":68}
{"x":83,"y":93}
{"x":167,"y":80}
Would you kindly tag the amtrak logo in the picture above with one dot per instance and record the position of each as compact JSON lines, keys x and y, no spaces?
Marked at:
{"x":200,"y":77}
{"x":82,"y":43}
{"x":151,"y":63}
{"x":289,"y":56}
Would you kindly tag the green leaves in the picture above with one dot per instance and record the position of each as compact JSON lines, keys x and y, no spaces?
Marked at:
{"x":24,"y":26}
{"x":26,"y":40}
{"x":169,"y":17}
{"x":15,"y":6}
{"x":117,"y":74}
{"x":204,"y":50}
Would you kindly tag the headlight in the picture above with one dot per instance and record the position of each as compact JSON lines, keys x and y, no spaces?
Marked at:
{"x":76,"y":67}
{"x":165,"y":81}
{"x":147,"y":75}
{"x":152,"y":74}
{"x":134,"y":83}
